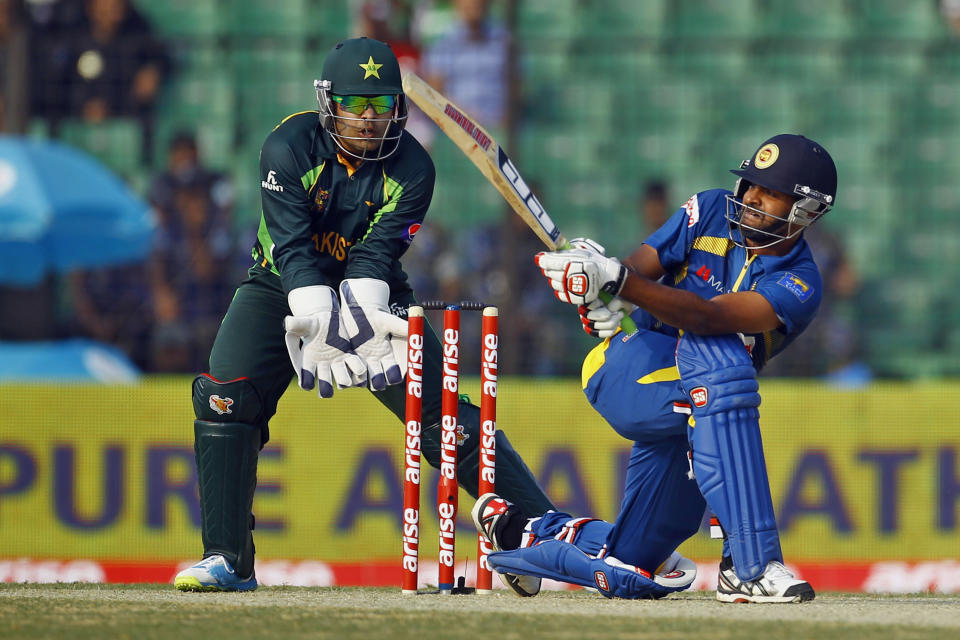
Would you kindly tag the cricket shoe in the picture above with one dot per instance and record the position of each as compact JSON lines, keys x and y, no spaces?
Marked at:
{"x":776,"y":584}
{"x":213,"y":574}
{"x":496,"y":518}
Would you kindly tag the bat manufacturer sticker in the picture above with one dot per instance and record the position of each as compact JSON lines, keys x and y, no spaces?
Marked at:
{"x":469,"y":126}
{"x":533,"y":205}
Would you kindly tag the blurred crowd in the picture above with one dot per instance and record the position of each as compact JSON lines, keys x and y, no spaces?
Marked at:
{"x":93,"y":60}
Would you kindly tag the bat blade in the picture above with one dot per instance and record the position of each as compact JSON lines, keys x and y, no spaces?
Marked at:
{"x":487,"y":155}
{"x":494,"y":163}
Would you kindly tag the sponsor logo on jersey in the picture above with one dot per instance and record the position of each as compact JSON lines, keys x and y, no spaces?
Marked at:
{"x":601,"y":579}
{"x":795,"y":285}
{"x":766,"y":156}
{"x":411,"y":231}
{"x":332,"y":243}
{"x":693,"y":211}
{"x":704,"y":273}
{"x":699,"y":396}
{"x":221,"y":405}
{"x":271,"y":183}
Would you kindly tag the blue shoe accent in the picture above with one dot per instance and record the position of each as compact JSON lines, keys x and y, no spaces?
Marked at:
{"x":213,"y":574}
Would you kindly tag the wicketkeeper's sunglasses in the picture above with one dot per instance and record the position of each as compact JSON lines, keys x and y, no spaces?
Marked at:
{"x":358,"y":104}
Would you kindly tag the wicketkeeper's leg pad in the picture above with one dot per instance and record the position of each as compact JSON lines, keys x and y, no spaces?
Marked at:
{"x":514,"y":480}
{"x":227,"y":441}
{"x":565,"y":562}
{"x":718,"y":375}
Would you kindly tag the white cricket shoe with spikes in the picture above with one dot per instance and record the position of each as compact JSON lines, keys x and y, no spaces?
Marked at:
{"x":776,"y":584}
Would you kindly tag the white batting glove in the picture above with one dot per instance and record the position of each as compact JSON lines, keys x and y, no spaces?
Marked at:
{"x":319,"y":348}
{"x":578,"y":276}
{"x":372,"y":328}
{"x":588,"y":245}
{"x":602,"y":320}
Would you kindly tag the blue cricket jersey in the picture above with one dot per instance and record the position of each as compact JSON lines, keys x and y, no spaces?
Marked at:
{"x":632,"y":380}
{"x":695,"y":248}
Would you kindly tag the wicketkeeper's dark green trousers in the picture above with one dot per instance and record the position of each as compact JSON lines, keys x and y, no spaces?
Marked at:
{"x":250,"y":344}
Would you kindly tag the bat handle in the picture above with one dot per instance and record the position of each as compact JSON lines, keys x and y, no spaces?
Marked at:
{"x":627,"y":324}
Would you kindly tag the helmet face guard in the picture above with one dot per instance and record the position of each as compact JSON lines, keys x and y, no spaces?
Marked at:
{"x":790,"y":164}
{"x":361,"y":67}
{"x":333,"y":123}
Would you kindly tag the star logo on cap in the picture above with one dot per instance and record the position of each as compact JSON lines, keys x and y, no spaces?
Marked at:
{"x":371,"y":68}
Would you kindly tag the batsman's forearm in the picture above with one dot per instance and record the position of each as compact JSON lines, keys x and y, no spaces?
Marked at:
{"x":674,"y":307}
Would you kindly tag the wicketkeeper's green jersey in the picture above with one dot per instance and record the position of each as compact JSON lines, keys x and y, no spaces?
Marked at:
{"x":323,"y":221}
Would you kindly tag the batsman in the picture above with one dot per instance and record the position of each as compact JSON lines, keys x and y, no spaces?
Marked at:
{"x":344,"y":190}
{"x":725,"y":284}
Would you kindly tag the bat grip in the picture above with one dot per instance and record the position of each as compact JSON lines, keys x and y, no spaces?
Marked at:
{"x":627,"y":323}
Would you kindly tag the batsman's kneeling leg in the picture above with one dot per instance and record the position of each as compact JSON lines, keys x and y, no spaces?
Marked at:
{"x":565,"y":562}
{"x":228,"y":435}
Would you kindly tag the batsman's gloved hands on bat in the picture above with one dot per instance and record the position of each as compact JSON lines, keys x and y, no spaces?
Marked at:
{"x":372,"y":328}
{"x":602,"y":320}
{"x":578,"y":276}
{"x":319,"y":347}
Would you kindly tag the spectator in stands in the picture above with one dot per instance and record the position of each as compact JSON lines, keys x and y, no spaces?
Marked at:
{"x":184,"y":167}
{"x":472,"y":65}
{"x":193,"y":269}
{"x":112,"y":305}
{"x":951,"y":13}
{"x":103,"y":63}
{"x":390,"y":21}
{"x":655,"y":205}
{"x":830,"y":348}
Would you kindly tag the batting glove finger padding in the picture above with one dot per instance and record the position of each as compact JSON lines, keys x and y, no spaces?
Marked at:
{"x":319,"y":349}
{"x":602,"y":320}
{"x":367,"y":317}
{"x":578,"y":276}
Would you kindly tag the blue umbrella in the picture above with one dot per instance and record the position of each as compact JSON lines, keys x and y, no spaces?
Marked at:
{"x":60,"y":210}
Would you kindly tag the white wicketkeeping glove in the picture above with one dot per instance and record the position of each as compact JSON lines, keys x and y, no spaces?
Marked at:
{"x":602,"y":320}
{"x":318,"y":346}
{"x":372,"y":328}
{"x":578,"y":276}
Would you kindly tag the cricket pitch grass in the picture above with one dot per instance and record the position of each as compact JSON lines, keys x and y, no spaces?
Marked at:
{"x":78,"y":611}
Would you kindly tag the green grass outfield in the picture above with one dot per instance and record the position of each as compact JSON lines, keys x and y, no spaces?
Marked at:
{"x":78,"y":611}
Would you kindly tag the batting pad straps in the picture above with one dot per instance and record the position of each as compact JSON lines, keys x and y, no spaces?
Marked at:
{"x":728,"y":460}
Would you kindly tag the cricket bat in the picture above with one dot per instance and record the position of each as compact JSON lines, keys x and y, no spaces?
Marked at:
{"x":494,"y":163}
